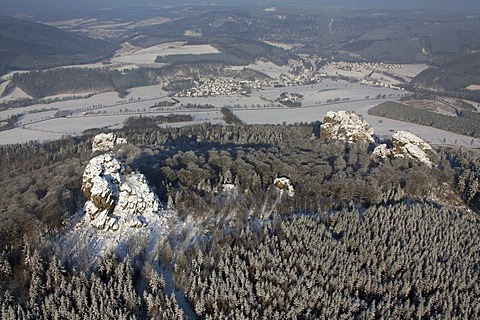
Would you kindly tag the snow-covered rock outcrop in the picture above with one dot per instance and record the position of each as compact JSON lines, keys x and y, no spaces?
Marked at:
{"x":405,"y":145}
{"x":106,"y":142}
{"x":382,"y":151}
{"x":284,"y":183}
{"x":116,"y":197}
{"x":347,"y":126}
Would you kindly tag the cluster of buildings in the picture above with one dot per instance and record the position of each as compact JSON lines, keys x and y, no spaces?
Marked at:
{"x":299,"y":79}
{"x":222,"y":86}
{"x":379,"y":83}
{"x":368,"y":73}
{"x":364,"y":66}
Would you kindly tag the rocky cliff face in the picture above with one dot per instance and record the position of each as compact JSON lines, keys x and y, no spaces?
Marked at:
{"x":115,"y":196}
{"x":346,"y":126}
{"x":406,"y":145}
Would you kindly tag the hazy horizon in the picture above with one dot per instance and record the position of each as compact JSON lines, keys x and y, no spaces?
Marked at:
{"x":33,"y":6}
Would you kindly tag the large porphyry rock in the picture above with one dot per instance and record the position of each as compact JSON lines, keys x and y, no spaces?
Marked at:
{"x":284,"y":183}
{"x":347,"y":126}
{"x":116,"y":197}
{"x":406,"y":145}
{"x":106,"y":142}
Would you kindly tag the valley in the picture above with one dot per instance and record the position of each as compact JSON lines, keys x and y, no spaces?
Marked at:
{"x":108,"y":111}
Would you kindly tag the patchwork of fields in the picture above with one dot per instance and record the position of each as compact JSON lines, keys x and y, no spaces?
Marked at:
{"x":107,"y":110}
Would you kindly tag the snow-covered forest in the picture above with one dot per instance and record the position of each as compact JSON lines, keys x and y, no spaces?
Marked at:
{"x":360,"y":236}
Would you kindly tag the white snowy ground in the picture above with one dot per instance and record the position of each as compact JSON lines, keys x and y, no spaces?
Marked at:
{"x":108,"y":110}
{"x":16,"y":93}
{"x":269,"y":68}
{"x":408,"y":71}
{"x":82,"y":239}
{"x":148,"y":55}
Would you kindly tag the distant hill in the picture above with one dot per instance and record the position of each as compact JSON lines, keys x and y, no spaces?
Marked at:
{"x":29,"y":45}
{"x":452,"y":77}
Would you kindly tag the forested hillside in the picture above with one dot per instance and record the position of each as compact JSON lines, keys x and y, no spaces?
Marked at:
{"x":28,"y":45}
{"x":452,"y":76}
{"x":41,"y":84}
{"x":359,"y":238}
{"x":466,"y":122}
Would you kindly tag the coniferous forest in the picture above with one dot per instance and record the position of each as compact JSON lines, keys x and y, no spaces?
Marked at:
{"x":360,"y":238}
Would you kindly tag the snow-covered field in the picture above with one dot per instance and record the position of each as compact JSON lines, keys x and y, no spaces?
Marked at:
{"x":108,"y":110}
{"x":269,"y":68}
{"x":282,"y":45}
{"x":360,"y":71}
{"x":148,"y":55}
{"x":381,"y":126}
{"x":473,"y":87}
{"x":16,"y":94}
{"x":410,"y":70}
{"x":149,"y":22}
{"x":68,"y":24}
{"x":19,"y":135}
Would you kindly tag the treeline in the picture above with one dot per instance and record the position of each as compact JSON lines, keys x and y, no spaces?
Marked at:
{"x":201,"y":58}
{"x":451,"y":76}
{"x":9,"y":123}
{"x":466,"y":123}
{"x":151,"y":122}
{"x":230,"y":118}
{"x":249,"y":50}
{"x":440,"y":78}
{"x":40,"y":84}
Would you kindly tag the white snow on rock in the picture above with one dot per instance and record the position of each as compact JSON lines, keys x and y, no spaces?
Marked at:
{"x":405,"y":145}
{"x":284,"y":183}
{"x":116,"y":197}
{"x":106,"y":142}
{"x":346,"y":126}
{"x":382,"y":151}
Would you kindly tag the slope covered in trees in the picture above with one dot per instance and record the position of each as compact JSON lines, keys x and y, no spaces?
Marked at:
{"x":41,"y":84}
{"x":393,"y":261}
{"x":359,"y":238}
{"x":466,"y":123}
{"x":28,"y":45}
{"x":451,"y":76}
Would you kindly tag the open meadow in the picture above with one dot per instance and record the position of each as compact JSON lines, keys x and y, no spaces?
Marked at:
{"x":42,"y":121}
{"x":148,"y":55}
